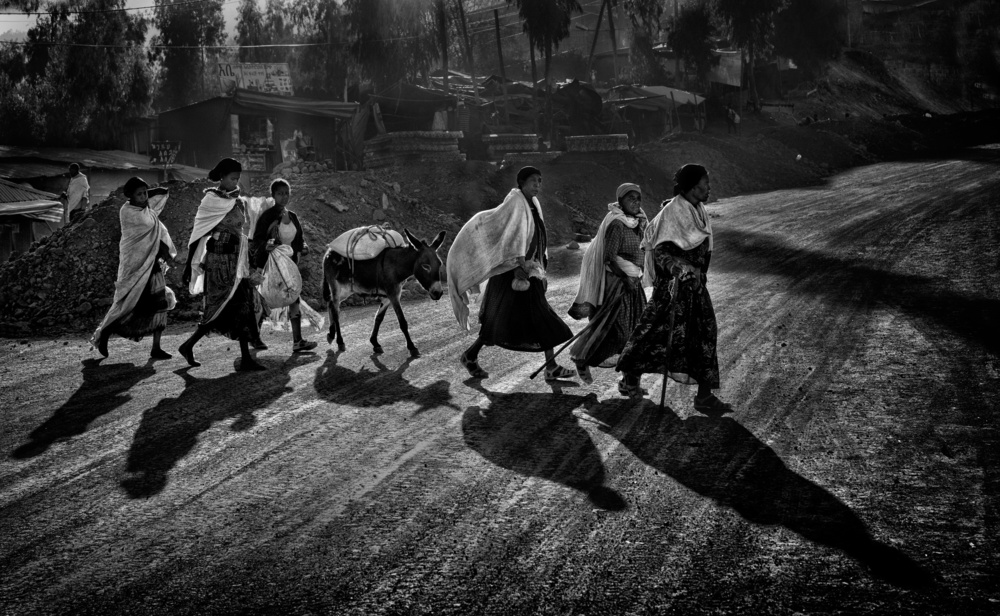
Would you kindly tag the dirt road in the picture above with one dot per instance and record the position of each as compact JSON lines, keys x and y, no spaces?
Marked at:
{"x":859,"y":342}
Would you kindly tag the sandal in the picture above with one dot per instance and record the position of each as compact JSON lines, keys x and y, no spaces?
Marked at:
{"x":559,"y":373}
{"x":473,"y":367}
{"x":710,"y":405}
{"x":585,"y":375}
{"x":631,"y":391}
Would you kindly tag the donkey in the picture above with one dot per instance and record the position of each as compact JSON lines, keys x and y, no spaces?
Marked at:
{"x":382,"y":277}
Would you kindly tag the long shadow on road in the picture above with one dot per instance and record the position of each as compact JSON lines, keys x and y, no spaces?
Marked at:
{"x":536,"y":435}
{"x":104,"y":389}
{"x":376,"y":388}
{"x":170,"y":430}
{"x":720,"y":459}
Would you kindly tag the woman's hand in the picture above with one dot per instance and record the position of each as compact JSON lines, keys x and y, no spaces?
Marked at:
{"x":520,"y":273}
{"x":270,"y":245}
{"x":305,"y":249}
{"x":631,"y":283}
{"x":255,"y":277}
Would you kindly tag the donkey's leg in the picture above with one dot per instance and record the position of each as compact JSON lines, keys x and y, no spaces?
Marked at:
{"x":379,"y":316}
{"x":402,"y":325}
{"x":334,"y":309}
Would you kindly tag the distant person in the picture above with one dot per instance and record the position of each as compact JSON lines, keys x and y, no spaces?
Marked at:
{"x":77,"y":194}
{"x":218,"y":265}
{"x":611,"y":293}
{"x":507,"y":246}
{"x":678,"y":245}
{"x":278,"y":225}
{"x":732,"y":121}
{"x":141,"y":299}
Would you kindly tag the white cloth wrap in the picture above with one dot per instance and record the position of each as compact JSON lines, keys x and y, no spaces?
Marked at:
{"x":680,"y":222}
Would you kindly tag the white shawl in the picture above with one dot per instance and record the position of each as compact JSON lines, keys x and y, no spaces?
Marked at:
{"x":211,"y":211}
{"x":489,"y":244}
{"x":142,"y":233}
{"x":679,"y":222}
{"x":592,"y":267}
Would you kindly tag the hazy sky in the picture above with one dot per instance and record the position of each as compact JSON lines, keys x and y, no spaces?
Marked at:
{"x":19,"y":22}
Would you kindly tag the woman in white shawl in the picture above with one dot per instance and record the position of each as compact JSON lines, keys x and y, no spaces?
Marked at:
{"x":218,"y":266}
{"x":141,"y":296}
{"x":507,"y":246}
{"x":611,"y":292}
{"x":679,"y":244}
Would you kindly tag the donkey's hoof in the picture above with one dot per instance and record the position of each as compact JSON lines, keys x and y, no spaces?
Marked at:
{"x":377,"y":349}
{"x":414,"y":352}
{"x":329,"y":338}
{"x":341,"y":347}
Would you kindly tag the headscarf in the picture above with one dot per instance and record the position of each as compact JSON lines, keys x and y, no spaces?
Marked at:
{"x":625,"y":189}
{"x":525,"y":173}
{"x":687,"y":177}
{"x":224,"y":167}
{"x":133,"y":184}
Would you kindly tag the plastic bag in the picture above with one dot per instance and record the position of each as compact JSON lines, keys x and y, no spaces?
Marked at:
{"x":282,"y":282}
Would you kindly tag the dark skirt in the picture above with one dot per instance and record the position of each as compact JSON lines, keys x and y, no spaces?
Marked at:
{"x":240,"y":316}
{"x":150,"y":312}
{"x":519,"y":320}
{"x":611,"y":324}
{"x":690,"y":357}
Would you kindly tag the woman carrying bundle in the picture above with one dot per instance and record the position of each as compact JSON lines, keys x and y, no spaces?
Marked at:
{"x":507,"y":246}
{"x":218,"y":265}
{"x":611,"y":292}
{"x":141,"y":296}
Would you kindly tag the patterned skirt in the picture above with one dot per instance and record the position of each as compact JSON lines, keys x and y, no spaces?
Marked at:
{"x":238,"y":316}
{"x":687,"y":351}
{"x":611,"y":325}
{"x":519,"y":320}
{"x":150,"y":312}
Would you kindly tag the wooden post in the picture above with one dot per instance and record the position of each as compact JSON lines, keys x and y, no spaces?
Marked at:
{"x":442,"y":19}
{"x":597,"y":30}
{"x":614,"y":44}
{"x":534,"y":84}
{"x":503,"y":73}
{"x":468,"y":49}
{"x":674,"y":101}
{"x":677,"y":58}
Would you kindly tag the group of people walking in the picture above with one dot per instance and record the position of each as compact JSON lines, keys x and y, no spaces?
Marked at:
{"x":673,"y":333}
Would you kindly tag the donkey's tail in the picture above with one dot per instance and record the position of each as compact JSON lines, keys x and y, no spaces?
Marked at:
{"x":326,"y":286}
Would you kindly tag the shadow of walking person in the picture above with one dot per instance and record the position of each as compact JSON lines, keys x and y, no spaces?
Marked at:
{"x":169,"y":431}
{"x":536,"y":435}
{"x":368,"y":388}
{"x":720,"y":459}
{"x":104,"y":389}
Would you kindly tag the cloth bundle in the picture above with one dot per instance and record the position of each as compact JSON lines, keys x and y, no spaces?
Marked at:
{"x":282,"y":282}
{"x":366,"y":242}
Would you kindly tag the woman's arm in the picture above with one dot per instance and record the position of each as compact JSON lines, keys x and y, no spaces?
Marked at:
{"x":672,"y":265}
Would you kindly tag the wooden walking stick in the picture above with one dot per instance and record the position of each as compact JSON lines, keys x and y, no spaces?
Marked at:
{"x":675,"y":284}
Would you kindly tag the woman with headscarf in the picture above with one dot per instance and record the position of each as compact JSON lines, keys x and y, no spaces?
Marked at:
{"x":678,"y":244}
{"x":218,"y":266}
{"x":611,"y":292}
{"x":141,"y":297}
{"x":277,"y":226}
{"x":507,"y":246}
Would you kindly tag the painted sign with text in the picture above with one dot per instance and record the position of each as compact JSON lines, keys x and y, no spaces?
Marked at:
{"x":259,"y":77}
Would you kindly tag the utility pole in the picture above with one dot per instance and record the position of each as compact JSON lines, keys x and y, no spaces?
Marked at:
{"x":442,"y":19}
{"x":468,"y":49}
{"x":677,"y":58}
{"x":614,"y":43}
{"x":503,"y":73}
{"x":597,"y":30}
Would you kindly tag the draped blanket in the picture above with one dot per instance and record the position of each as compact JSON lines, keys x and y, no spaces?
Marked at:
{"x":679,"y":222}
{"x":366,"y":242}
{"x":212,"y":209}
{"x":592,"y":267}
{"x":142,"y":234}
{"x":489,"y":244}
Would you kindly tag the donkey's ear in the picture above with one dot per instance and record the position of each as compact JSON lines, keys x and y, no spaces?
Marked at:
{"x":411,"y":238}
{"x":438,"y":240}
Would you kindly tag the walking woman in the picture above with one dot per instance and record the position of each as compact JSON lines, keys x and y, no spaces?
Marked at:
{"x":611,"y":292}
{"x":218,"y":265}
{"x":141,"y":300}
{"x":678,"y":244}
{"x":278,"y":225}
{"x":507,"y":246}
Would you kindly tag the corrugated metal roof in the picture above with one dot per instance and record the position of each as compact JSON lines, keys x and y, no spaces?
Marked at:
{"x":16,"y":193}
{"x":18,"y":163}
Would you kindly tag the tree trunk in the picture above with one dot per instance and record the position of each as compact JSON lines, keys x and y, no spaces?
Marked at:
{"x":442,"y":19}
{"x":548,"y":92}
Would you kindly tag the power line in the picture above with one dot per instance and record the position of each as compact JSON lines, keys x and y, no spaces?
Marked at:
{"x":133,"y":8}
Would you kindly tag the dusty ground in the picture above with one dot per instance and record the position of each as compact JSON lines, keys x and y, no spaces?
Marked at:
{"x":859,"y":343}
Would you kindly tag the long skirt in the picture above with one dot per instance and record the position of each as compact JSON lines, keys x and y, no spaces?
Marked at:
{"x":611,"y":325}
{"x":691,"y":356}
{"x":519,"y":320}
{"x":240,"y":315}
{"x":150,"y":312}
